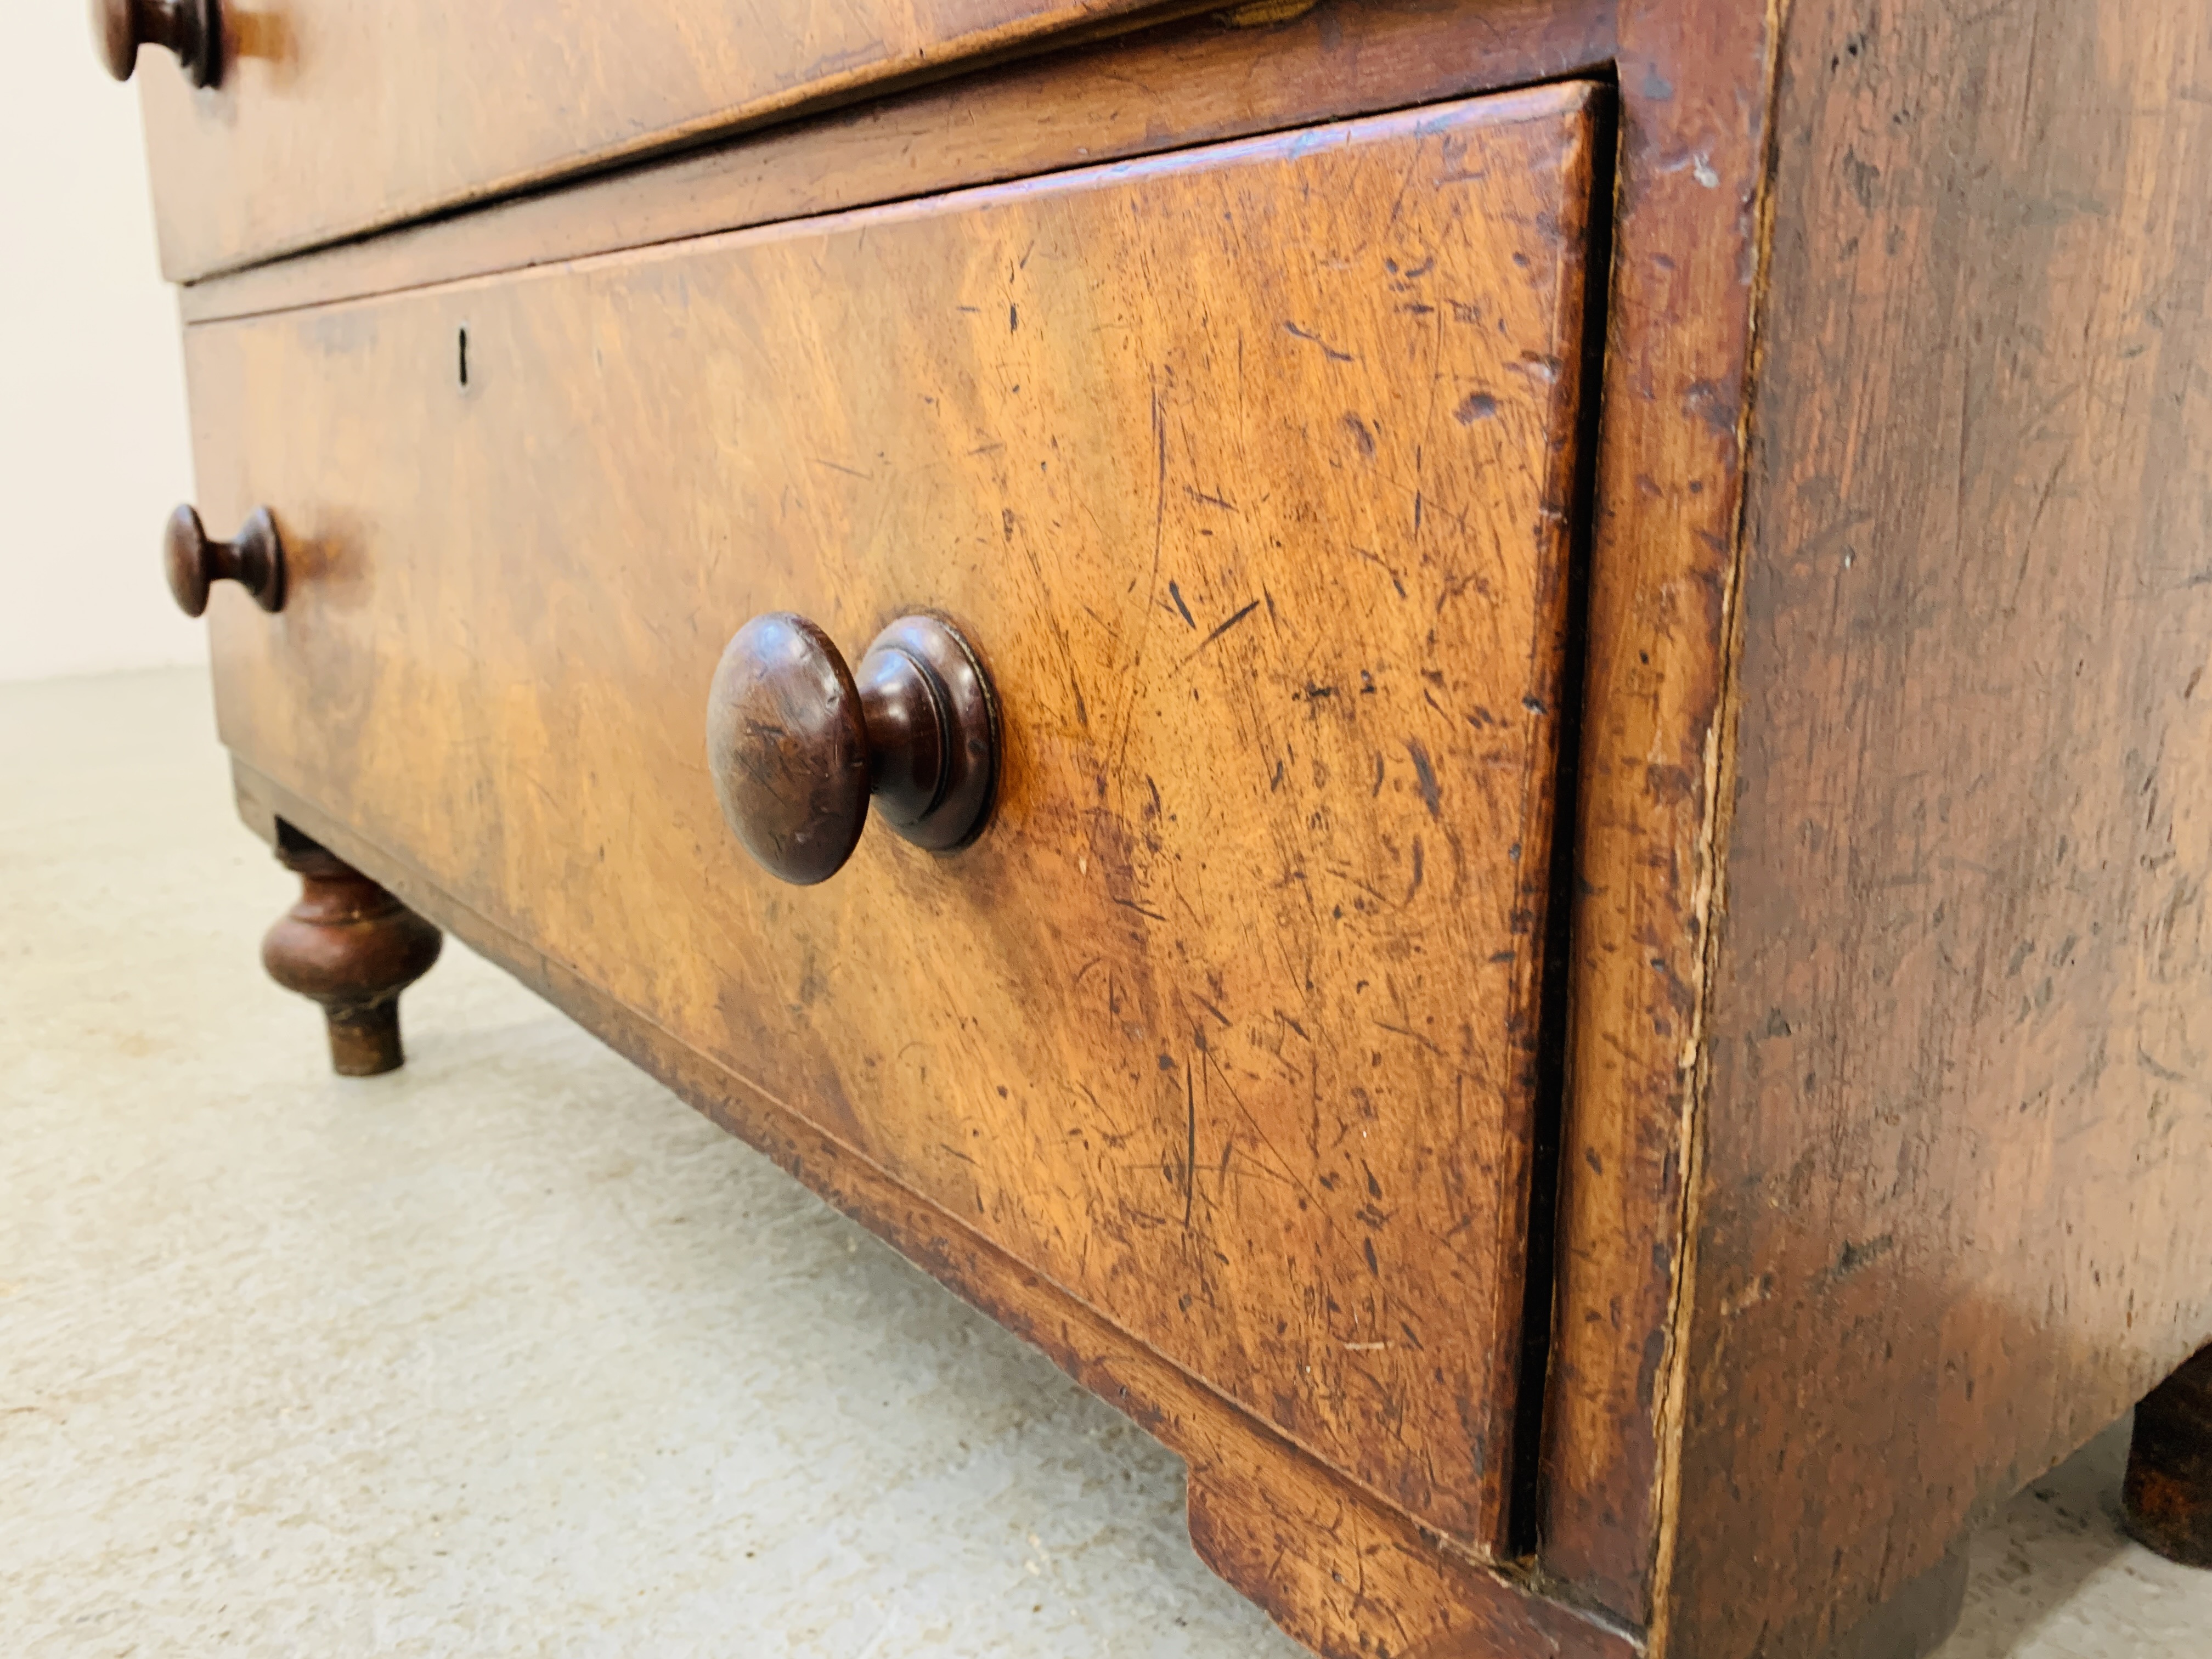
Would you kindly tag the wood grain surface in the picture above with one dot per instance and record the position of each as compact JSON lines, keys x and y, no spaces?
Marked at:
{"x":1876,"y":1196}
{"x":335,"y":118}
{"x":1341,"y":1571}
{"x":1194,"y":81}
{"x":1958,"y":1134}
{"x":1691,"y":91}
{"x":1247,"y":470}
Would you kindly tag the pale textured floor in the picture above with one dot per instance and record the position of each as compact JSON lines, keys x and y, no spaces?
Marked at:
{"x":511,"y":1354}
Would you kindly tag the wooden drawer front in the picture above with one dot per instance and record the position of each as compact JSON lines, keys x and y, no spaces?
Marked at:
{"x":1247,"y":468}
{"x":334,"y":117}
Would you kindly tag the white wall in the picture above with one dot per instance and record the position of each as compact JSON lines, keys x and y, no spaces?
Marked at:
{"x":93,"y":447}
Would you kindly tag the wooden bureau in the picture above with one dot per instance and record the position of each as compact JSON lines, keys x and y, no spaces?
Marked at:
{"x":1530,"y":672}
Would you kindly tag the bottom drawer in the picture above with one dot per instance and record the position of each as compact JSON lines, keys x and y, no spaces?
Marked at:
{"x":1247,"y":470}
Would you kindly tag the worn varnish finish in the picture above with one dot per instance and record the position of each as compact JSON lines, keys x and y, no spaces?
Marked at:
{"x":1691,"y":97}
{"x":1252,"y":468}
{"x":1195,"y":80}
{"x":1958,"y":1130}
{"x":333,"y":117}
{"x":1884,"y":1107}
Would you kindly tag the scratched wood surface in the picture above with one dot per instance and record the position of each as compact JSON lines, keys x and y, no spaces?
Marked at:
{"x":334,"y":117}
{"x":1247,"y":469}
{"x":1691,"y":86}
{"x":1959,"y":1133}
{"x":1194,"y":81}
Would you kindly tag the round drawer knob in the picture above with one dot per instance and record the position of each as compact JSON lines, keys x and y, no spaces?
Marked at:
{"x":798,"y":743}
{"x":191,"y":28}
{"x":255,"y":561}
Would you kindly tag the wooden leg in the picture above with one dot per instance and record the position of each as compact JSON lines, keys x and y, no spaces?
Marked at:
{"x":2168,"y":1495}
{"x":354,"y":948}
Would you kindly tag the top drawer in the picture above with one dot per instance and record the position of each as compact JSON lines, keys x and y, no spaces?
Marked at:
{"x":331,"y":118}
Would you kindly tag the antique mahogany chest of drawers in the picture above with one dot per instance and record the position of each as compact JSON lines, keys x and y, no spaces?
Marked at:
{"x":1530,"y":673}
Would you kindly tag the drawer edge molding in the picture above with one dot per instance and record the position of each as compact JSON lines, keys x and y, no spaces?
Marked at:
{"x":226,"y":201}
{"x":1168,"y":88}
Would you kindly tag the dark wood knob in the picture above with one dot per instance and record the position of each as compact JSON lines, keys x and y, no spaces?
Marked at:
{"x":255,"y":561}
{"x":191,"y":28}
{"x":798,"y":743}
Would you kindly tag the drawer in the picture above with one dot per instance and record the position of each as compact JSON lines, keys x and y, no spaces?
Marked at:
{"x":1247,"y":470}
{"x":332,"y":117}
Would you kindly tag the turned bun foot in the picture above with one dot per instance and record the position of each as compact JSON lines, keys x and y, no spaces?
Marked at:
{"x":352,"y":947}
{"x":2168,"y":1495}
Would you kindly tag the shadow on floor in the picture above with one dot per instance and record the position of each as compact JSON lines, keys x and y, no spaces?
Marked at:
{"x":2036,"y":1557}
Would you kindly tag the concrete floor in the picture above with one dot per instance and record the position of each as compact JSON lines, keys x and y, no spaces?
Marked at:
{"x":511,"y":1353}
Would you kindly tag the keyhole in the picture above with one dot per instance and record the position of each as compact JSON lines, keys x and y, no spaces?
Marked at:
{"x":464,"y":355}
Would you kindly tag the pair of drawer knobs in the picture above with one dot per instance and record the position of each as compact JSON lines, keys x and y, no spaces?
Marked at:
{"x":798,"y":743}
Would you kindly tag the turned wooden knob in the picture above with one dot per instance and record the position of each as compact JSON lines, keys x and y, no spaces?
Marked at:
{"x":255,"y":561}
{"x":798,"y":743}
{"x":191,"y":28}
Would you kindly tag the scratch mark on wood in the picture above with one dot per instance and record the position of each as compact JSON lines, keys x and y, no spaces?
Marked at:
{"x":1190,"y":1147}
{"x":1411,"y":1035}
{"x":1217,"y":633}
{"x":1432,"y":796}
{"x":1327,"y":350}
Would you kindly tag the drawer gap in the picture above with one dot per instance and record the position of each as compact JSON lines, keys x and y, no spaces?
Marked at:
{"x":1551,"y":1102}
